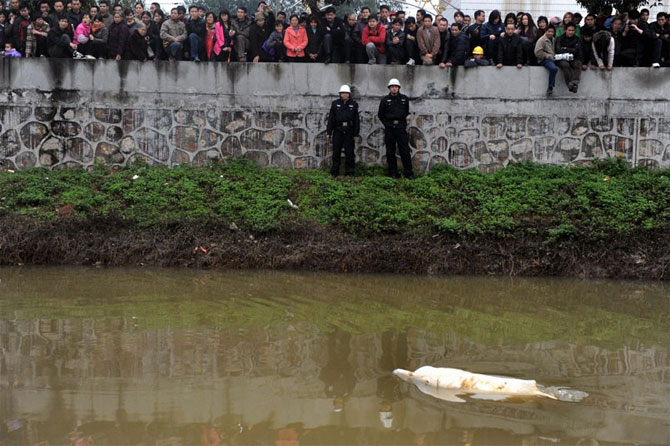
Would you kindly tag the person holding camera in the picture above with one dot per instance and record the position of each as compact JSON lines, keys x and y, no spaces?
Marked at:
{"x":568,"y":58}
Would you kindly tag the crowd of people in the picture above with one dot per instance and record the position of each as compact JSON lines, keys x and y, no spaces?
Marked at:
{"x":572,"y":43}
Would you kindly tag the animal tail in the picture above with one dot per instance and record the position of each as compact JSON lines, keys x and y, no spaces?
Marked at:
{"x":546,"y":395}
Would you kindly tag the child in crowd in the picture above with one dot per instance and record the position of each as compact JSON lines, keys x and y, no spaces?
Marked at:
{"x":9,"y":51}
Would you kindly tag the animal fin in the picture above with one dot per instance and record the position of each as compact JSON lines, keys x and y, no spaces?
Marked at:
{"x":489,"y":396}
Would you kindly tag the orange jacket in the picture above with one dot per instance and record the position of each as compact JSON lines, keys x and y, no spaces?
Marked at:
{"x":293,"y":41}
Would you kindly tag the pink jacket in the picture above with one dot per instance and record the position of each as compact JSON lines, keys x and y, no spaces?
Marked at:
{"x":82,"y":30}
{"x":221,"y":40}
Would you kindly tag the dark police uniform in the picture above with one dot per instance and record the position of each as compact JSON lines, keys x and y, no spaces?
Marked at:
{"x":343,"y":123}
{"x":393,"y":111}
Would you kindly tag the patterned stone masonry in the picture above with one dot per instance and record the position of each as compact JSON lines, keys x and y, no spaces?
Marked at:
{"x":62,"y":136}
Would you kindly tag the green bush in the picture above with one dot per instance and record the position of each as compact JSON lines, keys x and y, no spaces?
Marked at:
{"x":555,"y":203}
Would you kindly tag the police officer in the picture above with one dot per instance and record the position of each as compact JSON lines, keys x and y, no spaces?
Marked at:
{"x":393,"y":111}
{"x":343,"y":124}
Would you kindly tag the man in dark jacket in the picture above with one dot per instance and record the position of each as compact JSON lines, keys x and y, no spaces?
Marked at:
{"x":588,"y":60}
{"x":589,"y":23}
{"x":57,"y":14}
{"x":195,"y":29}
{"x":633,"y":39}
{"x":350,"y":23}
{"x":75,"y":14}
{"x":510,"y":49}
{"x":411,"y":45}
{"x":357,"y":36}
{"x":241,"y":25}
{"x":343,"y":125}
{"x":472,"y":30}
{"x":333,"y":40}
{"x":393,"y":112}
{"x":443,"y":29}
{"x":569,"y":56}
{"x":258,"y":34}
{"x":458,"y":48}
{"x":59,"y":40}
{"x":18,"y":32}
{"x":661,"y":31}
{"x":395,"y":43}
{"x":652,"y":45}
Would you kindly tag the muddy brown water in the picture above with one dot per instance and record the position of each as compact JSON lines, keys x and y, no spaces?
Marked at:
{"x":175,"y":357}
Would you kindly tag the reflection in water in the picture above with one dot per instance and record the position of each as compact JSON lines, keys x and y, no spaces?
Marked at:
{"x":394,"y":355}
{"x":337,"y":374}
{"x":182,"y":357}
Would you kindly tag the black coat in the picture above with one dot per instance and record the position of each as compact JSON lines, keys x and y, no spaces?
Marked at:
{"x":58,"y":45}
{"x":344,"y":117}
{"x":394,"y":108}
{"x":662,"y":31}
{"x":137,"y":46}
{"x":587,"y":51}
{"x":117,"y":39}
{"x":510,"y":50}
{"x":75,"y":18}
{"x":196,"y":27}
{"x":472,"y":32}
{"x":458,"y":50}
{"x":19,"y":34}
{"x":336,"y":30}
{"x":257,"y":37}
{"x":572,"y":45}
{"x":315,"y":41}
{"x":54,"y":18}
{"x":390,"y":36}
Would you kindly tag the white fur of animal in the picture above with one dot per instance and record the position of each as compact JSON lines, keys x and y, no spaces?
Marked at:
{"x":444,"y":383}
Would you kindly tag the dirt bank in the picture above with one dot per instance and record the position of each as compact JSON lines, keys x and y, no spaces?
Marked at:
{"x":67,"y":241}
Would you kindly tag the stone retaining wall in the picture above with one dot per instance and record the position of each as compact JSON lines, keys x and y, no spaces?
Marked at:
{"x":61,"y":113}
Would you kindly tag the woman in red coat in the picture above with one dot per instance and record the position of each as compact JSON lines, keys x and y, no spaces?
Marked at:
{"x":295,"y":41}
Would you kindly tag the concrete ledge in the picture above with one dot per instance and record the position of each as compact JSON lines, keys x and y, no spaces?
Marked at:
{"x":273,"y":79}
{"x":60,"y":113}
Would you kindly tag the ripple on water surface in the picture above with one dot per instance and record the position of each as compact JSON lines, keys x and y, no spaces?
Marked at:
{"x":126,"y":356}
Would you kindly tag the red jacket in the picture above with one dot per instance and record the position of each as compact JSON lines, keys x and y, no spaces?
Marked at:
{"x":293,"y":41}
{"x":376,"y":36}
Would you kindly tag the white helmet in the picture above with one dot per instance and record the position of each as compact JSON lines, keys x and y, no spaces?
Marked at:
{"x":395,"y":82}
{"x":345,"y":89}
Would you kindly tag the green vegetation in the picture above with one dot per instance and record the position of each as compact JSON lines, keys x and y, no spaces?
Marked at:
{"x":523,"y":200}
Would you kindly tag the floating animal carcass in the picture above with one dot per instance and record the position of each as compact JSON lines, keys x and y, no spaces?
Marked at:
{"x":447,"y":384}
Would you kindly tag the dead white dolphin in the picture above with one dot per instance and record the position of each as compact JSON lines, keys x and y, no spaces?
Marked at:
{"x":446,"y":384}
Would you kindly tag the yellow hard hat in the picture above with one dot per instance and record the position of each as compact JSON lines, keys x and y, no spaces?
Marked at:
{"x":478,"y":50}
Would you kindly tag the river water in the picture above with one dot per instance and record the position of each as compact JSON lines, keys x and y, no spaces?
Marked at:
{"x":174,"y":357}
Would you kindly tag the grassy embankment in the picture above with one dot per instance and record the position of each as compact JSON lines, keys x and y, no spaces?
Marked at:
{"x":505,"y":215}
